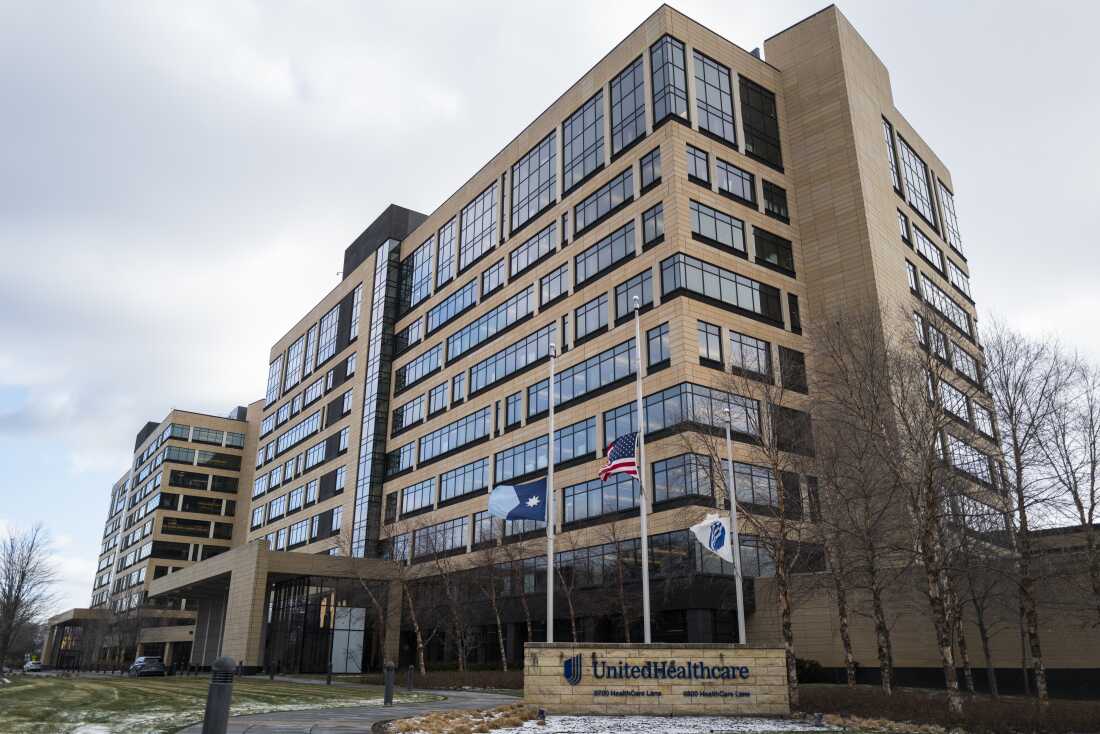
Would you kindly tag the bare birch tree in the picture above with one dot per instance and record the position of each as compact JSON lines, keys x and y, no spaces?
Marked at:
{"x":1070,"y":444}
{"x":1025,"y":377}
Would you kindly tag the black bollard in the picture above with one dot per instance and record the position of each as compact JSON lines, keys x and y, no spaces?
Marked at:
{"x":409,"y":678}
{"x":238,"y":670}
{"x":218,"y":697}
{"x":328,"y":673}
{"x":388,"y":676}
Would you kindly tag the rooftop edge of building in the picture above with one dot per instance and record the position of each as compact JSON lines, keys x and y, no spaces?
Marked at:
{"x":395,"y":222}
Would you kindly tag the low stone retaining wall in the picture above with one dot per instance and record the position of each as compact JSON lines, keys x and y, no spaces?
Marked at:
{"x":663,"y":678}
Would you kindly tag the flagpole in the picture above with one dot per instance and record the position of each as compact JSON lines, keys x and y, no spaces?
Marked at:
{"x":550,"y":508}
{"x":735,"y":537}
{"x":643,"y":498}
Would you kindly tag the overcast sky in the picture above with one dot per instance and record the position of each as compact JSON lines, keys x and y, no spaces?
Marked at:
{"x":178,"y":182}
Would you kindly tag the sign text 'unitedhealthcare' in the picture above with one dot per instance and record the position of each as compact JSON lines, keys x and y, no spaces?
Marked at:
{"x":667,"y":670}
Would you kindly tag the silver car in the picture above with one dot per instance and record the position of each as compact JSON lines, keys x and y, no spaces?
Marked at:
{"x":147,"y":665}
{"x":32,"y":666}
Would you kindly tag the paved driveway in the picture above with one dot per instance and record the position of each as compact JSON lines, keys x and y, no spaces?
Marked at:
{"x":354,"y":718}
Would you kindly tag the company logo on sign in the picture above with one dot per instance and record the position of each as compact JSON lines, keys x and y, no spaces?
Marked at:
{"x":571,"y":670}
{"x":717,"y":536}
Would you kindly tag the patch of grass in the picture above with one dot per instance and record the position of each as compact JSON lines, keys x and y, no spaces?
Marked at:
{"x":466,"y":721}
{"x":59,"y":705}
{"x":867,"y":708}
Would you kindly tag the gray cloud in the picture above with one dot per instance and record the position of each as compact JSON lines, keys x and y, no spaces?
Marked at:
{"x":178,"y":180}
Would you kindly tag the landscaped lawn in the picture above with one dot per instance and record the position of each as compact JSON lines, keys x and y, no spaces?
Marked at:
{"x":104,"y":704}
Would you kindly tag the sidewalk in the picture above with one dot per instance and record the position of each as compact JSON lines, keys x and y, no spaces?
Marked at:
{"x":355,"y":718}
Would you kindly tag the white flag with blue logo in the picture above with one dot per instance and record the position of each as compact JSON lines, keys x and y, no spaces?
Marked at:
{"x":520,"y":501}
{"x":714,"y":534}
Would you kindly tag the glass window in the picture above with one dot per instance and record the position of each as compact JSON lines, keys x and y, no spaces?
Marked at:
{"x":761,"y":121}
{"x":409,"y":336}
{"x":414,"y":277}
{"x":521,"y":460}
{"x":950,"y":219}
{"x":714,"y":98}
{"x":515,"y":357}
{"x":398,"y":460}
{"x":418,"y":496}
{"x":717,"y":228}
{"x":464,"y":479}
{"x":640,"y":286}
{"x":294,"y":358}
{"x":590,"y":317}
{"x":954,"y":401}
{"x":958,"y":278}
{"x":927,"y":249}
{"x":311,"y":349}
{"x":903,"y":226}
{"x":575,"y":441}
{"x":650,"y":166}
{"x":326,"y":346}
{"x":452,"y":306}
{"x":582,"y":142}
{"x":445,"y":253}
{"x":458,"y":388}
{"x":683,"y":272}
{"x":710,"y":342}
{"x":604,"y":200}
{"x":513,"y":409}
{"x":891,"y":155}
{"x":681,"y":476}
{"x":553,"y":285}
{"x":595,"y":498}
{"x":419,"y":368}
{"x":599,"y":370}
{"x":771,"y":249}
{"x":492,"y":278}
{"x":653,"y":224}
{"x":911,"y":275}
{"x":274,"y":378}
{"x":485,"y":527}
{"x":750,"y":355}
{"x":945,"y":305}
{"x":408,"y":414}
{"x":600,"y":257}
{"x":627,"y":106}
{"x":441,"y":538}
{"x":983,"y":420}
{"x":775,"y":202}
{"x":965,"y":364}
{"x":538,"y":398}
{"x":735,"y":182}
{"x":485,"y":328}
{"x":657,"y":344}
{"x":479,"y":227}
{"x":534,"y":181}
{"x":455,"y":435}
{"x":666,"y":59}
{"x":437,"y":398}
{"x":918,"y":189}
{"x":533,"y":250}
{"x":698,"y":166}
{"x":969,"y":460}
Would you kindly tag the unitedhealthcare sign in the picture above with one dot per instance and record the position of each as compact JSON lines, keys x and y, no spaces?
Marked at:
{"x":666,"y":679}
{"x":655,"y":670}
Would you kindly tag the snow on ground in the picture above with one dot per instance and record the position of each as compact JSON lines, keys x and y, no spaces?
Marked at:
{"x":662,"y":724}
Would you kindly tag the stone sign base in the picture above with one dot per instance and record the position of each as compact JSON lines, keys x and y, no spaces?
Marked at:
{"x":662,"y":678}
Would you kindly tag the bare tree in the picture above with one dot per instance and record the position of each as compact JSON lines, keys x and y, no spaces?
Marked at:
{"x":514,"y":555}
{"x":613,"y":533}
{"x":759,"y":411}
{"x":1025,"y":379}
{"x":27,"y":577}
{"x":862,"y":507}
{"x":917,"y":460}
{"x":567,"y":578}
{"x":1070,"y":445}
{"x":488,"y":578}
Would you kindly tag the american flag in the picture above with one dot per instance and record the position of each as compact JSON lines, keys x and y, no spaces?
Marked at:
{"x":620,"y":457}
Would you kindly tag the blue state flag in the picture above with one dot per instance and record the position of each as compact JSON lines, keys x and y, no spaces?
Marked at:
{"x":519,"y":502}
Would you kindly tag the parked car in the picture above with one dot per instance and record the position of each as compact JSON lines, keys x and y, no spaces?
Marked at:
{"x":32,"y":666}
{"x":147,"y":665}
